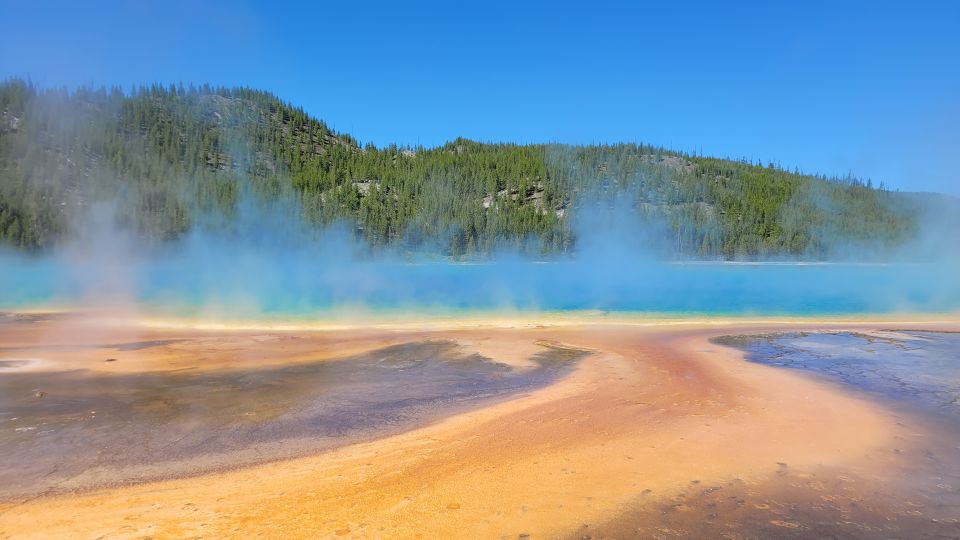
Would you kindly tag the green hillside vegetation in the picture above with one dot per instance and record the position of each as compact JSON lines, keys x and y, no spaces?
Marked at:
{"x":172,"y":158}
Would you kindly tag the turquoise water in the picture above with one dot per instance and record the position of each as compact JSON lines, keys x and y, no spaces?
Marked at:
{"x":276,"y":286}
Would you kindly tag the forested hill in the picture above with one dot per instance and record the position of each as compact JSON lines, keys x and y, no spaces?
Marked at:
{"x":171,"y":157}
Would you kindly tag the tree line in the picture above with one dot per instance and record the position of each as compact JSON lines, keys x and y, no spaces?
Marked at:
{"x":171,"y":158}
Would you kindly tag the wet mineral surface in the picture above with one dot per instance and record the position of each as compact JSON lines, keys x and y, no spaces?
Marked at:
{"x":69,"y":430}
{"x":915,"y":375}
{"x":919,"y":370}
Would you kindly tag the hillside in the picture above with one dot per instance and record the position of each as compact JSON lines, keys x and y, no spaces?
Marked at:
{"x":172,"y":158}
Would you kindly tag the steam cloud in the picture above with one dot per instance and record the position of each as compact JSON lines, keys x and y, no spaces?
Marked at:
{"x":269,"y":263}
{"x":266,"y":261}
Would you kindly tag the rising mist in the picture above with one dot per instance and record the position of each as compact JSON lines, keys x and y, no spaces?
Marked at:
{"x":266,"y":254}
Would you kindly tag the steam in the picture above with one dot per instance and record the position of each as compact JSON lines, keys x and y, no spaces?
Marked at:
{"x":265,"y":258}
{"x":269,"y":263}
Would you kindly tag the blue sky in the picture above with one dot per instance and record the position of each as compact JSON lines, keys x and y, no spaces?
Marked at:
{"x":871,"y":88}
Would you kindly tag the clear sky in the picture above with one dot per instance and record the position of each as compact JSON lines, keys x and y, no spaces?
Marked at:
{"x":871,"y":88}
